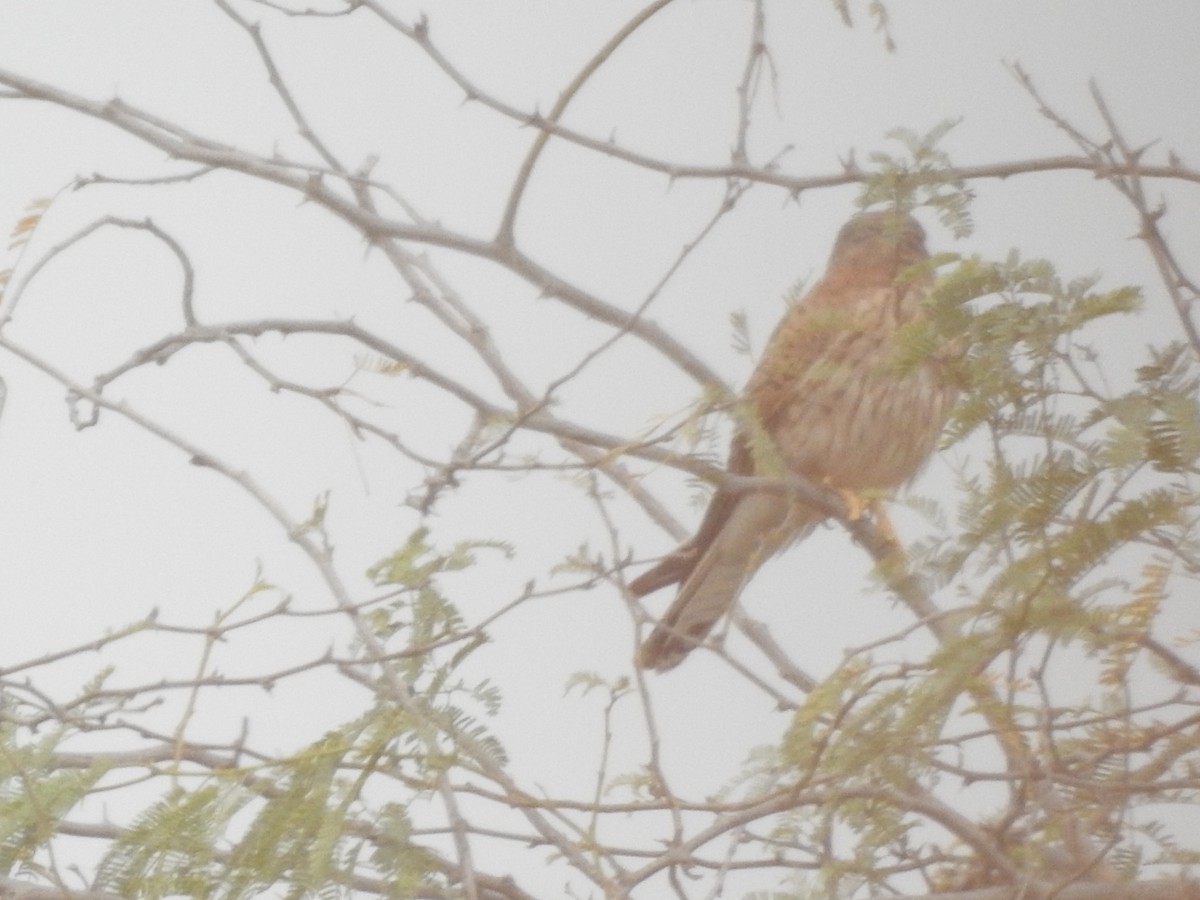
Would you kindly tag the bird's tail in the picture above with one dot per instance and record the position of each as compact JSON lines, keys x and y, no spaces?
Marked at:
{"x":758,"y":526}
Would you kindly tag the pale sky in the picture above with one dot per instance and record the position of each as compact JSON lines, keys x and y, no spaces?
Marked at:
{"x":100,"y":526}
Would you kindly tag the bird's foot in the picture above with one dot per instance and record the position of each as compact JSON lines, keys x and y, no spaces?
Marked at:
{"x":857,"y":504}
{"x":883,"y":524}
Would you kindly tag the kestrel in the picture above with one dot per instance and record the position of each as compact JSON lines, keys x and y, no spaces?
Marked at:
{"x":827,"y":402}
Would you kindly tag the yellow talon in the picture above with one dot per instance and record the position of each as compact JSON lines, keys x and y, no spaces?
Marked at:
{"x":855,"y":503}
{"x":883,"y":523}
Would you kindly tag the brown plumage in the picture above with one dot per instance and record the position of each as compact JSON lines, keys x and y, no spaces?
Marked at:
{"x":826,"y":402}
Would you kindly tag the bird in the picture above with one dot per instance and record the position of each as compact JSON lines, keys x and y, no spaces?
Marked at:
{"x":828,"y":401}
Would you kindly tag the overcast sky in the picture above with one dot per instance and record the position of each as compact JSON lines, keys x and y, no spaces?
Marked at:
{"x":99,"y":526}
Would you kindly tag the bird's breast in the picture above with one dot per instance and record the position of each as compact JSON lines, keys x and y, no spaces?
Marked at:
{"x":855,"y":422}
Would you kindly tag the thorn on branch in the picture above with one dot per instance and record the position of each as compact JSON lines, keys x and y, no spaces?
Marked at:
{"x":1150,"y":219}
{"x":1135,"y":156}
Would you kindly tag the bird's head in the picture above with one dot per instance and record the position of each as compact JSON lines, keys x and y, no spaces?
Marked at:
{"x":888,"y":241}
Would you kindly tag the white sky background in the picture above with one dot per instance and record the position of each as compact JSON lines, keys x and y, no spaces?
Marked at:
{"x":100,"y":526}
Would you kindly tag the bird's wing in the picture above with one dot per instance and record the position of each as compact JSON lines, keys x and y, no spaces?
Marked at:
{"x":756,"y":527}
